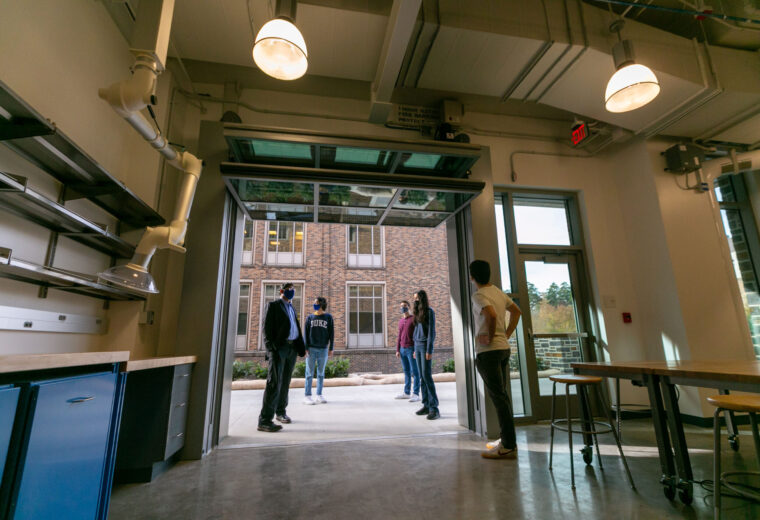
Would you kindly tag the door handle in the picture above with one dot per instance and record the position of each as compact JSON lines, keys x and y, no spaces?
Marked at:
{"x":77,"y":400}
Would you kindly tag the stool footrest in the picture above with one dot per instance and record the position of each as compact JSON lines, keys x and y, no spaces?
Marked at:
{"x":605,"y":427}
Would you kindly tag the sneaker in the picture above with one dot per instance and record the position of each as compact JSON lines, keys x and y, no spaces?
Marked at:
{"x":422,"y":411}
{"x":321,"y":399}
{"x":402,"y":395}
{"x":434,"y":414}
{"x":269,"y":427}
{"x":284,"y":419}
{"x":499,"y":452}
{"x":309,"y":400}
{"x":493,"y":444}
{"x":414,"y":399}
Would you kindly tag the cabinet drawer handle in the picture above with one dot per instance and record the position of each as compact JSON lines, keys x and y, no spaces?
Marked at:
{"x":77,"y":400}
{"x":180,"y":434}
{"x":184,"y":375}
{"x":180,"y":405}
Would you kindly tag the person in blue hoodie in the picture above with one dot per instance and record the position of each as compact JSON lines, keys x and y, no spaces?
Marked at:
{"x":424,"y":337}
{"x":319,"y":339}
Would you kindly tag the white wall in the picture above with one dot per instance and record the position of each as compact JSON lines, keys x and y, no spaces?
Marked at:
{"x":55,"y":55}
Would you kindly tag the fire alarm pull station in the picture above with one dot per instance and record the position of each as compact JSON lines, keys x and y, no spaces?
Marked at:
{"x":627,"y":317}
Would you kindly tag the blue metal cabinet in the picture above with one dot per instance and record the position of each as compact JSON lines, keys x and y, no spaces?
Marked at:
{"x":65,"y":448}
{"x":8,"y":402}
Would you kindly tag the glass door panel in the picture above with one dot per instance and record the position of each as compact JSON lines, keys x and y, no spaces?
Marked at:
{"x":556,"y":335}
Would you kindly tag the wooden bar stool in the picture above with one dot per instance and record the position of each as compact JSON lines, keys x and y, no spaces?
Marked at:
{"x":733,"y":403}
{"x":566,"y":425}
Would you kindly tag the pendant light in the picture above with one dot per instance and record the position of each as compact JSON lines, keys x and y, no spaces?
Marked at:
{"x":279,"y":49}
{"x":633,"y":85}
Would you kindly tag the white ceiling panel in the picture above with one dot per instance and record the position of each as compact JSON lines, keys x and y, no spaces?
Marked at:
{"x":746,"y":132}
{"x":721,"y":110}
{"x":476,"y":62}
{"x":341,"y":43}
{"x":581,"y":91}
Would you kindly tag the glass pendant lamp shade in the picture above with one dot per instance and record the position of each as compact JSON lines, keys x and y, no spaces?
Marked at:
{"x":280,"y":50}
{"x":131,"y":276}
{"x":631,"y":87}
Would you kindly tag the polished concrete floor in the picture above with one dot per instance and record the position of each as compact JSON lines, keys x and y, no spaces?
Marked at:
{"x":351,"y":413}
{"x":428,"y":477}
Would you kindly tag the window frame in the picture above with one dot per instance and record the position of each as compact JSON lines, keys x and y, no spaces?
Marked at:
{"x":381,"y":256}
{"x":265,"y":252}
{"x":252,"y":251}
{"x":384,"y":305}
{"x":249,"y":283}
{"x":262,"y":304}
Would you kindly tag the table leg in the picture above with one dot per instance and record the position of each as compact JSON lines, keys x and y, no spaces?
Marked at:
{"x":586,"y":418}
{"x":661,"y":434}
{"x":686,"y":477}
{"x":733,"y":434}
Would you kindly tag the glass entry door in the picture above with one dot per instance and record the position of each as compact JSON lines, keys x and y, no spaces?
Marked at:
{"x":542,"y":267}
{"x":554,"y":328}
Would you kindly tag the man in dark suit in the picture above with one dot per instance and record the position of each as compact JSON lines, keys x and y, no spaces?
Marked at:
{"x":284,"y":342}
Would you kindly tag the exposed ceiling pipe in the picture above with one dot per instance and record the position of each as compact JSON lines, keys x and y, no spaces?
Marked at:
{"x":713,"y":169}
{"x":712,"y":15}
{"x":128,"y":98}
{"x":723,"y":22}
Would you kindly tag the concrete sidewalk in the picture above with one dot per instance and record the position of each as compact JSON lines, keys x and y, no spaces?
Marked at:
{"x":351,"y":413}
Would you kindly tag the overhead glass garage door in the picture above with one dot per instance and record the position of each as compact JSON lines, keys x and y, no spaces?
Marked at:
{"x":315,"y":181}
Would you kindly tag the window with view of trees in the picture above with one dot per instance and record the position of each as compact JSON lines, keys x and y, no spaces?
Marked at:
{"x":743,"y":241}
{"x":552,"y":310}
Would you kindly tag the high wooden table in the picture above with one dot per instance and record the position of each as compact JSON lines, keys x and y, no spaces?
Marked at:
{"x":660,"y":378}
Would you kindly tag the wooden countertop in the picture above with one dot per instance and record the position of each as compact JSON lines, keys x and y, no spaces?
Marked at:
{"x":158,"y":362}
{"x":28,"y":362}
{"x":740,"y":371}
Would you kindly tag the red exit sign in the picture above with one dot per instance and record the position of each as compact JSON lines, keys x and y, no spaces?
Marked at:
{"x":580,"y":133}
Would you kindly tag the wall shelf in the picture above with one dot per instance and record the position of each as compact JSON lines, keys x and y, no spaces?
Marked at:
{"x":63,"y":280}
{"x":21,"y":200}
{"x":40,"y":142}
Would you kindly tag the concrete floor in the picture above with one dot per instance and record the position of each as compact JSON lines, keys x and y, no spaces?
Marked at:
{"x":426,"y":477}
{"x":436,"y":476}
{"x":352,"y":412}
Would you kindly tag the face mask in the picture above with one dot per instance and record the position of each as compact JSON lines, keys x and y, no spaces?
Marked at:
{"x":404,"y":309}
{"x":317,"y":306}
{"x":289,"y":293}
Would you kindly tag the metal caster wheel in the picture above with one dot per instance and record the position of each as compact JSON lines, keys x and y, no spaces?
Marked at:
{"x":670,"y":491}
{"x":734,"y":443}
{"x":588,"y":455}
{"x":686,"y":494}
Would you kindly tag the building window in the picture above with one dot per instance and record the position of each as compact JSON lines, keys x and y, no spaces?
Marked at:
{"x":366,"y":316}
{"x":270,"y":292}
{"x":365,"y":246}
{"x":241,"y":342}
{"x":744,"y":243}
{"x":284,"y":243}
{"x":247,"y":258}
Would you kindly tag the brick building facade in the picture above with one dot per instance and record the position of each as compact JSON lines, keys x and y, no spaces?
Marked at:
{"x":364,"y":272}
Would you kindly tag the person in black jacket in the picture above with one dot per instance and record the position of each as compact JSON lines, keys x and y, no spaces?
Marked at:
{"x":283,"y":341}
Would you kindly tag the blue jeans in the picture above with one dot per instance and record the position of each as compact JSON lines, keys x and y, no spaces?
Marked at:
{"x":425,"y":366}
{"x":410,"y":368}
{"x":316,"y":356}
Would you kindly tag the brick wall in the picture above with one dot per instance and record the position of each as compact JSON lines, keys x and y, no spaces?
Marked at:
{"x":415,"y":258}
{"x":383,"y":361}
